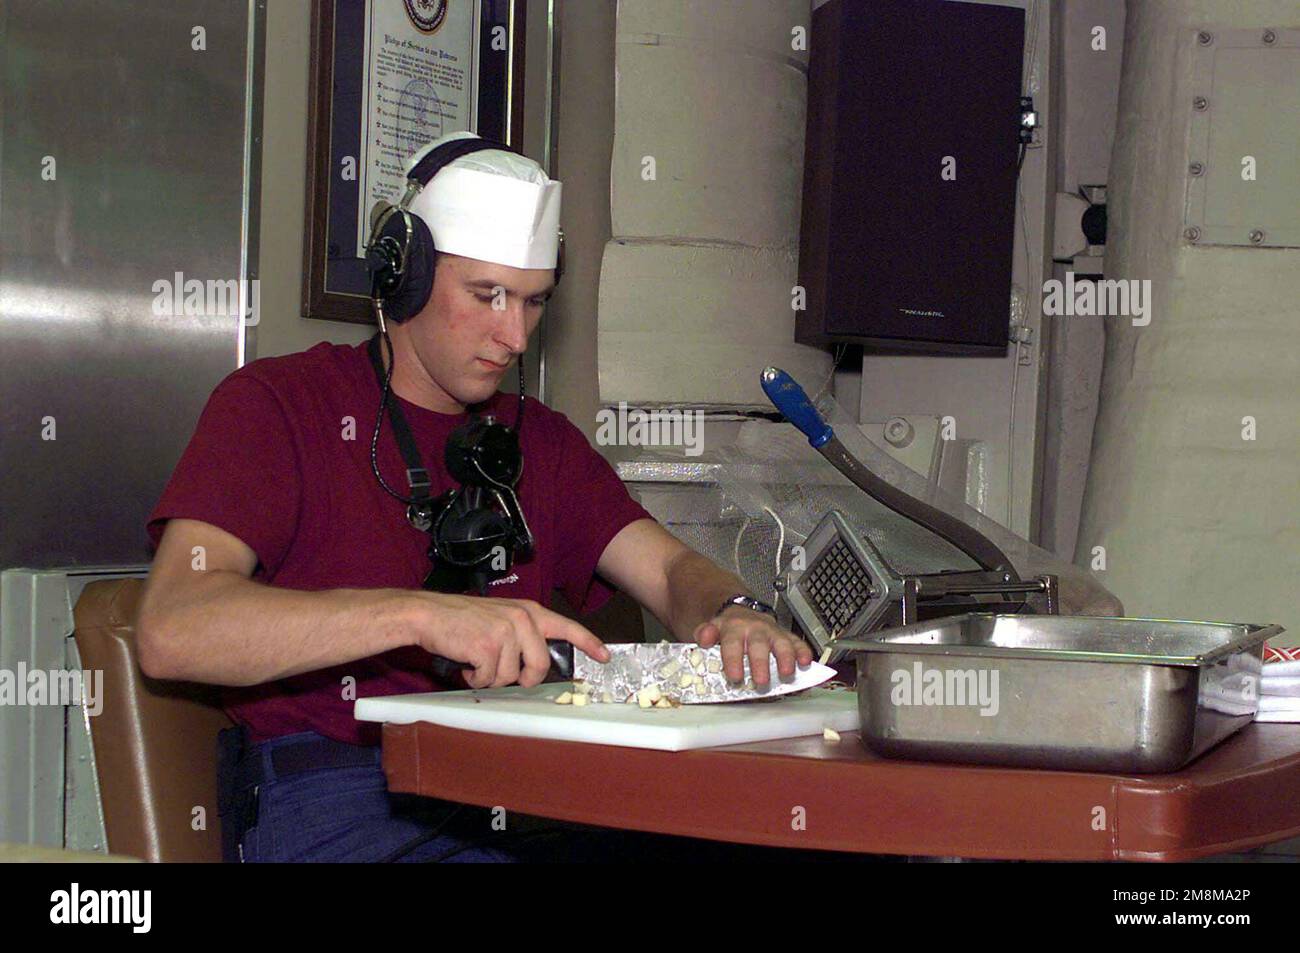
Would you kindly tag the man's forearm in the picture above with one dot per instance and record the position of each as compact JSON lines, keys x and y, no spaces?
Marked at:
{"x":230,"y":630}
{"x":696,"y":588}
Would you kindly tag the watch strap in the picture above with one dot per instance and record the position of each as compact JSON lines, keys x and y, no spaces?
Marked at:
{"x":747,"y":602}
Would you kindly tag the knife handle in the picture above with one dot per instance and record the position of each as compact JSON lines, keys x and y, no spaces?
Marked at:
{"x":561,"y":669}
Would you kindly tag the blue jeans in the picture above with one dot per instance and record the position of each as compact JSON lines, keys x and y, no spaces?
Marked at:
{"x":348,"y":814}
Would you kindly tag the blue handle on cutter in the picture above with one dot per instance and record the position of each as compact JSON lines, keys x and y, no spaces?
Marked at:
{"x":789,"y":398}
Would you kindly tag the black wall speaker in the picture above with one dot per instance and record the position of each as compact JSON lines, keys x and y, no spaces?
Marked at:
{"x":909,"y":190}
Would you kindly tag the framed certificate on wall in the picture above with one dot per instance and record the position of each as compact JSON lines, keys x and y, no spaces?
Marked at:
{"x":387,"y":77}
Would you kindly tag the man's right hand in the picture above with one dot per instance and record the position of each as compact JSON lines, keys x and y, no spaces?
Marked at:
{"x":504,"y":639}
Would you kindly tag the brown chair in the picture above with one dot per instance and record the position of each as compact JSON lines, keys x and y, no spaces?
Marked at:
{"x":155,"y":742}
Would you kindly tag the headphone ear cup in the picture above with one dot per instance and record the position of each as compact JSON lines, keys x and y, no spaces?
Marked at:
{"x":384,"y":251}
{"x":411,"y":293}
{"x":468,"y":532}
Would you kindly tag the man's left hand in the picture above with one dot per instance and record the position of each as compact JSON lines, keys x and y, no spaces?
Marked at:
{"x":744,"y":632}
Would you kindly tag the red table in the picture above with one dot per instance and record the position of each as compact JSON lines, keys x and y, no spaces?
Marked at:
{"x":1242,"y":794}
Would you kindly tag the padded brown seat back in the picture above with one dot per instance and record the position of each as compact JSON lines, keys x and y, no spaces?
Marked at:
{"x":155,"y":742}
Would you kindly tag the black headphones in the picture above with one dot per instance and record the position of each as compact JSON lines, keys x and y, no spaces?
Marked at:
{"x":400,"y":254}
{"x":477,"y":531}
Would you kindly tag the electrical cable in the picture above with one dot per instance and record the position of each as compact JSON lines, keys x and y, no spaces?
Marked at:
{"x":1030,"y":55}
{"x":780,"y":548}
{"x":840,"y":351}
{"x":735,"y":550}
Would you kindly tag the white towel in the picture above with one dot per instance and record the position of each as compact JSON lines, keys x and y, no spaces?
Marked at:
{"x":1281,"y":669}
{"x":1280,"y":687}
{"x":1279,"y":714}
{"x":1232,"y":694}
{"x":1279,"y":691}
{"x":1279,"y":703}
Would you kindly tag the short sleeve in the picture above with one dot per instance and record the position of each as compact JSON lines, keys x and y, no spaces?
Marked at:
{"x":591,"y":506}
{"x":239,"y":472}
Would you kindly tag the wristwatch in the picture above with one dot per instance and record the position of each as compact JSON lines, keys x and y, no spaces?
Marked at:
{"x":748,"y":602}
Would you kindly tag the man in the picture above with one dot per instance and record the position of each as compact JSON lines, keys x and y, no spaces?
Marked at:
{"x":286,"y":573}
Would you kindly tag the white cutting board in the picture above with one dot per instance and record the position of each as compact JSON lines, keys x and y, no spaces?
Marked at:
{"x":532,"y":713}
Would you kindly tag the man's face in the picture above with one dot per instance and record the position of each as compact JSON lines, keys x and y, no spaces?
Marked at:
{"x":477,"y":324}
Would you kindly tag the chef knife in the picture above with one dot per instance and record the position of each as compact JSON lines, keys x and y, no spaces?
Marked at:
{"x":682,"y":671}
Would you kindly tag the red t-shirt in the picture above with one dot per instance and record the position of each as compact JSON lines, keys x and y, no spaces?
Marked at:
{"x":281,"y":459}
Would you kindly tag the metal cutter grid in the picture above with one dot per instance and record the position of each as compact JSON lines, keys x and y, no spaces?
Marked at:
{"x":837,"y":586}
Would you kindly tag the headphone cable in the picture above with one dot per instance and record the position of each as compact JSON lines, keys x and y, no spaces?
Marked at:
{"x":383,"y":406}
{"x":379,"y":422}
{"x":519,"y":417}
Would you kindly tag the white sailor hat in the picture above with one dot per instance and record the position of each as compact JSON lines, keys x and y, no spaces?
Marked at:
{"x":492,"y":205}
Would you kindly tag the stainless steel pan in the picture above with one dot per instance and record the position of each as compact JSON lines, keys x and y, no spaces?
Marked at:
{"x":1076,"y":693}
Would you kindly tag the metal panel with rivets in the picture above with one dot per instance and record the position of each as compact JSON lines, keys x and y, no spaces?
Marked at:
{"x":1243,"y":152}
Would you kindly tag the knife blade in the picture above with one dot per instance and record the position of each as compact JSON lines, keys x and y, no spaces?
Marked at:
{"x":683,"y":671}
